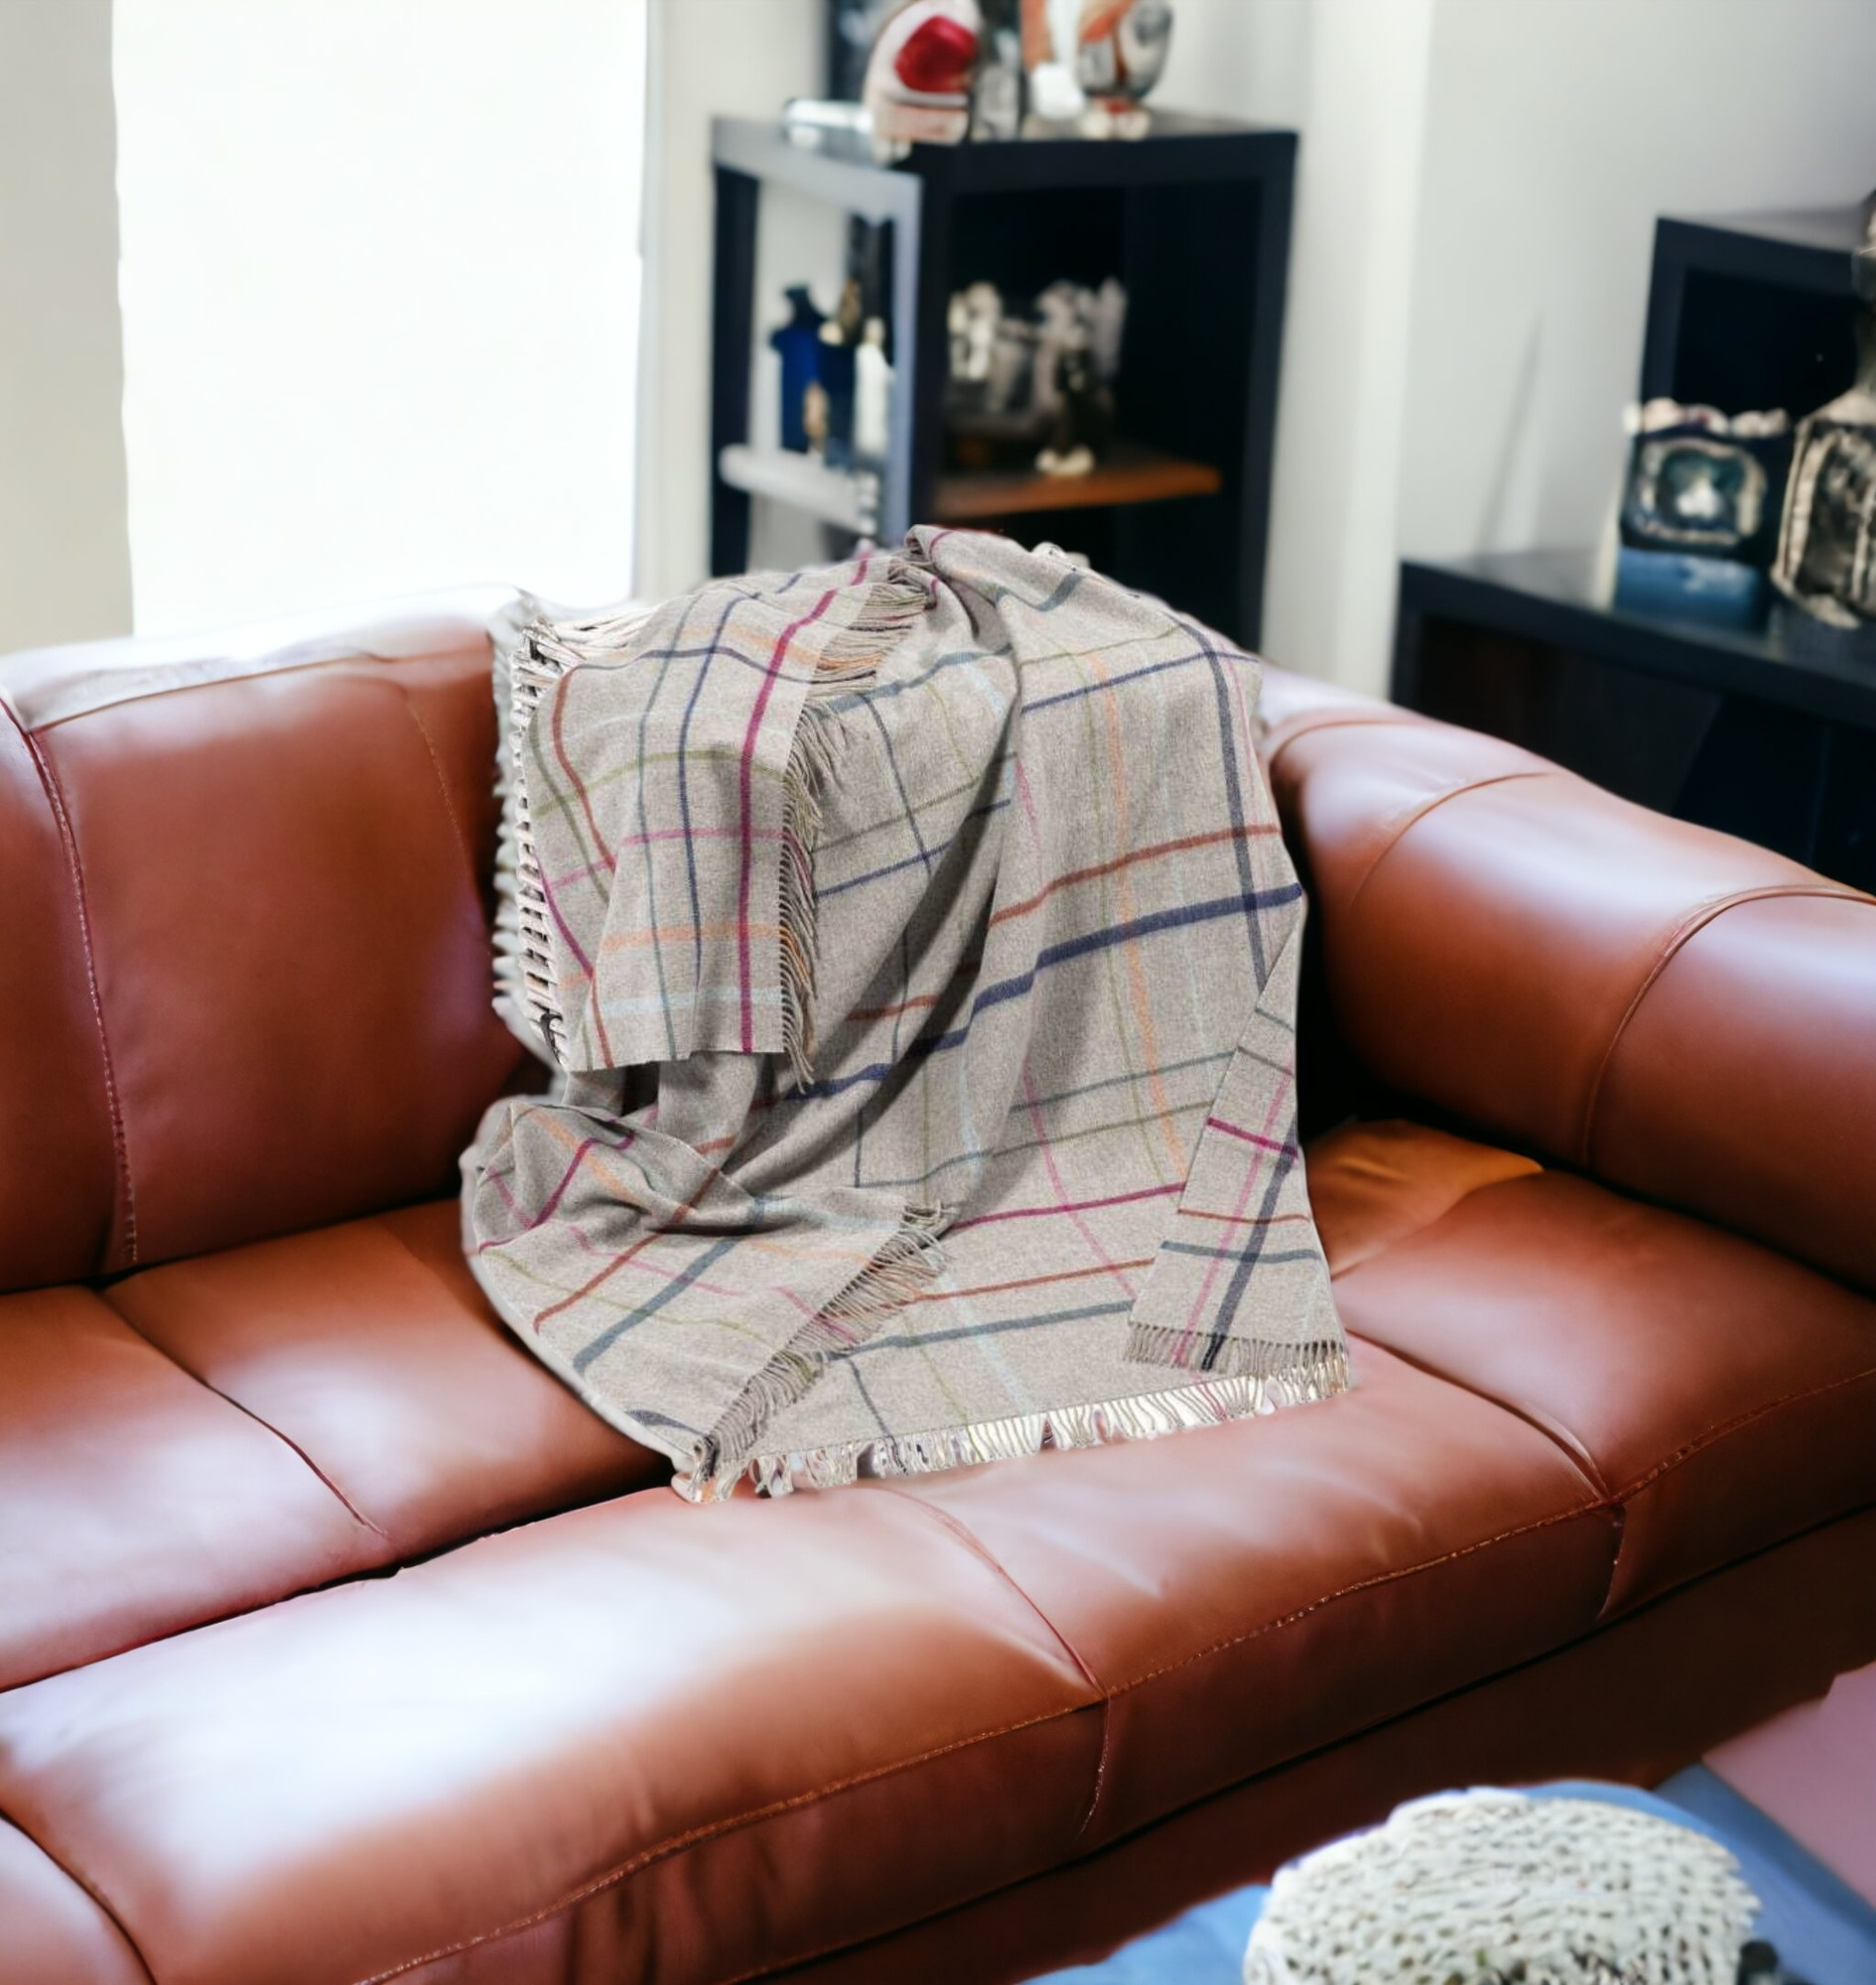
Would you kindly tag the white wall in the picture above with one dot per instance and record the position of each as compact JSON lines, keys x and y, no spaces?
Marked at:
{"x":1477,"y":188}
{"x":380,"y":269}
{"x":64,"y":560}
{"x":709,"y":57}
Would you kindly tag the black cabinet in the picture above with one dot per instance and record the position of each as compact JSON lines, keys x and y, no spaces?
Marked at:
{"x":1743,"y":731}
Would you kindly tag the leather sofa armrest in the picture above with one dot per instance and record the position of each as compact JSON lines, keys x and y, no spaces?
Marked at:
{"x":1671,"y":1010}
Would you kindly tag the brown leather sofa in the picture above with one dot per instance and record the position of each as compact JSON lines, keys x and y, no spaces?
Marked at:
{"x":338,"y":1643}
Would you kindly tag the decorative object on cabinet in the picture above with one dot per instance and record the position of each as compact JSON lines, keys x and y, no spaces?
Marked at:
{"x":1121,"y":49}
{"x":1050,"y":28}
{"x":1177,"y":499}
{"x":852,"y":28}
{"x":1701,"y":481}
{"x":997,"y":99}
{"x":918,"y":80}
{"x":1699,"y":512}
{"x":1827,"y":556}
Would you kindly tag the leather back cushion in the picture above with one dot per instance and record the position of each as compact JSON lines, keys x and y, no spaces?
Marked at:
{"x":56,"y":1158}
{"x":256,"y":990}
{"x":1678,"y":1012}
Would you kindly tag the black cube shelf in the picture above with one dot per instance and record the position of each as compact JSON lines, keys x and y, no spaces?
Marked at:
{"x":1752,"y":311}
{"x":1194,"y":220}
{"x":1743,"y":730}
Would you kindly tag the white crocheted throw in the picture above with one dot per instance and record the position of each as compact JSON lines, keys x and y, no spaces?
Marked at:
{"x":1488,"y":1888}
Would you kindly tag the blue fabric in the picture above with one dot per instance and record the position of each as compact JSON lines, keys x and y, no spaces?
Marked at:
{"x":1205,"y":1946}
{"x":1825,"y":1931}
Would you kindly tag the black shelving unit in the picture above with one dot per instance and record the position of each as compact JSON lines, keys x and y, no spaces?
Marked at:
{"x":1752,"y":311}
{"x":1194,"y":220}
{"x":1767,"y":733}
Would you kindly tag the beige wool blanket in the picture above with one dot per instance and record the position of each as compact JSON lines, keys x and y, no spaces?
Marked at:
{"x":922,"y":954}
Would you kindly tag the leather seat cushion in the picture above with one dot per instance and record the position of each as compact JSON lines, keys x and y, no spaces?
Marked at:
{"x":736,"y":1725}
{"x":207,"y":1437}
{"x":1724,"y":1396}
{"x":55,"y":1933}
{"x":1228,"y":1588}
{"x":132,"y":1499}
{"x":728,"y":1729}
{"x":371,"y":1348}
{"x":733,"y":1730}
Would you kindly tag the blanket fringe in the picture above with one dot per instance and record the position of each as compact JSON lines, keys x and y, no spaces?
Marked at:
{"x":904,"y":1267}
{"x":1220,"y":1355}
{"x":1298,"y":1375}
{"x":848,"y":656}
{"x":543,"y":653}
{"x":810,"y":765}
{"x":888,"y":608}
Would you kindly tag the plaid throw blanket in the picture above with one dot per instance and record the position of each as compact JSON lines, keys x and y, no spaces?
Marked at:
{"x":922,"y":955}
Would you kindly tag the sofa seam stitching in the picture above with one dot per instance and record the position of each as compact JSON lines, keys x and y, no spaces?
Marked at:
{"x":1693,"y":922}
{"x":1426,"y":1227}
{"x":976,"y":1546}
{"x":120,"y":1136}
{"x":1428,"y":806}
{"x":1701,"y":1441}
{"x":443,"y":785}
{"x":267,"y":1426}
{"x":1581,"y":1460}
{"x":1305,"y":724}
{"x":1360,"y":1585}
{"x":83,"y":1885}
{"x":776,"y":1810}
{"x":346,"y":658}
{"x":979,"y":1549}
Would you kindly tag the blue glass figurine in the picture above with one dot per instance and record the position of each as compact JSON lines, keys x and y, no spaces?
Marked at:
{"x":799,"y":344}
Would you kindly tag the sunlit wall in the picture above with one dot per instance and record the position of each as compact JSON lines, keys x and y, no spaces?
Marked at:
{"x":380,"y":274}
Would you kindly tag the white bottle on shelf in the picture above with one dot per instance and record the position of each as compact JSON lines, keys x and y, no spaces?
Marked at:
{"x":873,"y":394}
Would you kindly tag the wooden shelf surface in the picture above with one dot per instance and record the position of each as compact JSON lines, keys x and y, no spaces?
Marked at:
{"x":1128,"y":473}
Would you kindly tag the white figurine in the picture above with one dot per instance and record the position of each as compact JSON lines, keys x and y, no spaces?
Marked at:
{"x":1052,"y":32}
{"x":1107,"y":325}
{"x":873,"y":394}
{"x":983,"y":309}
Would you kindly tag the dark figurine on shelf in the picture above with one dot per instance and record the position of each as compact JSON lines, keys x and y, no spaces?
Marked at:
{"x":1827,"y":556}
{"x":1084,"y":415}
{"x":799,"y":344}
